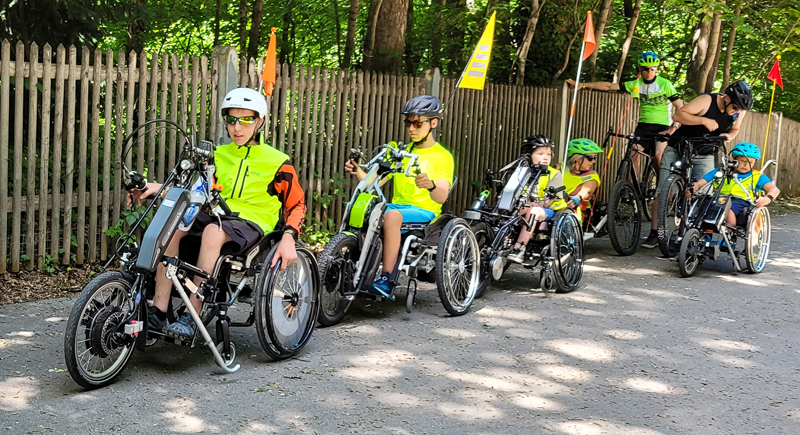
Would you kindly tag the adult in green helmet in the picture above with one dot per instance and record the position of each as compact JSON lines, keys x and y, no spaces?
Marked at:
{"x":580,"y":179}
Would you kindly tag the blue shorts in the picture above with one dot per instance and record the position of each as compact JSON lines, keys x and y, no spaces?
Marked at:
{"x":740,"y":208}
{"x":549,"y":213}
{"x":412,"y":214}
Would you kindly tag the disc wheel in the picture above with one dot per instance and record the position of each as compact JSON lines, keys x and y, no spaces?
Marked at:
{"x":287,"y":302}
{"x":670,"y":200}
{"x":484,"y":237}
{"x":649,"y":191}
{"x":691,"y":252}
{"x":625,"y":218}
{"x":759,"y":233}
{"x":96,"y":349}
{"x":566,"y":249}
{"x":337,"y":263}
{"x":457,"y":267}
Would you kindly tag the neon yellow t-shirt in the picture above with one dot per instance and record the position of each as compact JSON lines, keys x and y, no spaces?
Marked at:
{"x":437,"y":163}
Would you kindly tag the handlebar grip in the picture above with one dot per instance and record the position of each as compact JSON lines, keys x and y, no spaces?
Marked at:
{"x":224,"y":206}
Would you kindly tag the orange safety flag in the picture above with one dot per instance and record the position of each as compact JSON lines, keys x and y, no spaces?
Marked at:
{"x":588,"y":37}
{"x":268,"y":73}
{"x":775,"y":73}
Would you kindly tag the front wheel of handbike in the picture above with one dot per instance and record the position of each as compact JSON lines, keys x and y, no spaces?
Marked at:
{"x":484,"y":237}
{"x":624,"y":218}
{"x":457,"y":267}
{"x":566,"y":249}
{"x":336,"y":264}
{"x":286,"y":305}
{"x":689,"y":255}
{"x":670,"y":201}
{"x":96,"y":348}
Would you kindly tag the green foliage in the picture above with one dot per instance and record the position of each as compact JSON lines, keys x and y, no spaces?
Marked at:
{"x":128,"y":218}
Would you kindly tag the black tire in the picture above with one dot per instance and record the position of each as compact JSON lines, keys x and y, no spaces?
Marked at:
{"x":624,"y":218}
{"x":649,"y":191}
{"x":93,"y":340}
{"x":690,"y":255}
{"x":759,"y":234}
{"x":670,"y":201}
{"x":485,"y":237}
{"x":566,"y":249}
{"x":341,"y":251}
{"x":457,"y":267}
{"x":286,"y":305}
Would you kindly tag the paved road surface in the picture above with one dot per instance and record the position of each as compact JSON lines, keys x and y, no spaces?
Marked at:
{"x":637,"y":350}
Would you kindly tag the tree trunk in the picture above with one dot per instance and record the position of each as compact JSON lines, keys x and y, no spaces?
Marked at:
{"x":634,"y":17}
{"x":349,"y":44}
{"x":242,"y":27}
{"x":285,"y":44}
{"x":711,"y":53}
{"x":629,"y":8}
{"x":726,"y":73}
{"x":437,"y":7}
{"x":387,"y":36}
{"x":255,"y":29}
{"x":410,"y":58}
{"x":602,"y":19}
{"x":522,"y":52}
{"x":712,"y":72}
{"x":695,"y":79}
{"x":216,"y":23}
{"x":135,"y":30}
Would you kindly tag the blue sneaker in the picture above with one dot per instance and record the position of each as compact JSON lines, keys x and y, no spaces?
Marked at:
{"x":382,"y":287}
{"x":183,"y":329}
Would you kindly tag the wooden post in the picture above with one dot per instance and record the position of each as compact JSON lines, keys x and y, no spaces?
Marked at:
{"x":109,"y":121}
{"x":80,"y":245}
{"x":226,"y":80}
{"x":5,"y":74}
{"x":30,"y":189}
{"x":44,"y":154}
{"x":19,"y":96}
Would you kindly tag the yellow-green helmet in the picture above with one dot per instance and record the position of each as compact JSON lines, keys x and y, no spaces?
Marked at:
{"x":582,"y":146}
{"x":648,"y":58}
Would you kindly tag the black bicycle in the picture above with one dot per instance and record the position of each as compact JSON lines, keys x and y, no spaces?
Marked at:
{"x":673,"y":205}
{"x":631,"y":197}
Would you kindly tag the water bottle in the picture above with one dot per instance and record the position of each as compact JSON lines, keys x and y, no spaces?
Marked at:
{"x":198,"y":198}
{"x":480,"y":200}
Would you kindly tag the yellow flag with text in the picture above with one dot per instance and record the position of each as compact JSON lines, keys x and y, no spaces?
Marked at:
{"x":474,"y":75}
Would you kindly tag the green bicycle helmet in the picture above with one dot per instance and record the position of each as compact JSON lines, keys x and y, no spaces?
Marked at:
{"x":582,"y":146}
{"x":746,"y":149}
{"x":648,"y":58}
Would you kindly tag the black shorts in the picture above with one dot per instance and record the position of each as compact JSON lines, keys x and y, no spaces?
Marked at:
{"x":242,"y":232}
{"x":645,"y":130}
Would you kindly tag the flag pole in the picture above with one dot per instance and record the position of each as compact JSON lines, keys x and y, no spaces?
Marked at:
{"x":769,"y":120}
{"x":572,"y":108}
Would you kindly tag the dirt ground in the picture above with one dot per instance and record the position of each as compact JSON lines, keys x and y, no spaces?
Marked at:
{"x":636,"y":350}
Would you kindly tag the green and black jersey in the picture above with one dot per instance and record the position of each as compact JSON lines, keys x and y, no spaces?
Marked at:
{"x":654,"y":98}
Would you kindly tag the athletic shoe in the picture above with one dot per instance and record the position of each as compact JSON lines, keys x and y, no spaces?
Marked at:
{"x":154,"y":323}
{"x":183,"y":329}
{"x":382,"y":287}
{"x":651,"y":242}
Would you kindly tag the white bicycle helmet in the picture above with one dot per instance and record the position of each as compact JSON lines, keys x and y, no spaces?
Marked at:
{"x":244,"y":98}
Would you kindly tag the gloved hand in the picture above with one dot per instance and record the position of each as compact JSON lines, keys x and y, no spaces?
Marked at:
{"x":576,"y":200}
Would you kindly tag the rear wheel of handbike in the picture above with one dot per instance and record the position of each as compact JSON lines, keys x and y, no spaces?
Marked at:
{"x":624,"y":218}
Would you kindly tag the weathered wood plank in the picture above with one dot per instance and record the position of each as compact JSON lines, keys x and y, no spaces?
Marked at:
{"x":69,"y":165}
{"x":80,"y":231}
{"x":19,"y":105}
{"x":44,"y":154}
{"x":30,"y":188}
{"x":109,"y":122}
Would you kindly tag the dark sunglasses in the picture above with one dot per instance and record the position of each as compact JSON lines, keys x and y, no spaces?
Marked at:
{"x":651,"y":68}
{"x":416,"y":124}
{"x":590,"y":158}
{"x":243,"y":120}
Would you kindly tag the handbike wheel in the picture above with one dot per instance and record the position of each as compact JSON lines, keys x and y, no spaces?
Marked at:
{"x":624,"y":218}
{"x":457,"y":267}
{"x":96,"y":349}
{"x":338,"y":258}
{"x":670,"y":201}
{"x":649,"y":190}
{"x":689,"y":255}
{"x":759,"y":233}
{"x":484,"y":237}
{"x":566,"y":249}
{"x":286,"y":305}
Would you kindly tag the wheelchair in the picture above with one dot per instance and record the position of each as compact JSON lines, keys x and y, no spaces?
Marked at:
{"x":444,"y":251}
{"x":109,"y":319}
{"x":556,"y":251}
{"x":708,"y":233}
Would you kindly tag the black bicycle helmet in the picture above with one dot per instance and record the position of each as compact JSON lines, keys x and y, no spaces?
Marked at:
{"x":740,"y":94}
{"x":423,"y":105}
{"x":537,"y":140}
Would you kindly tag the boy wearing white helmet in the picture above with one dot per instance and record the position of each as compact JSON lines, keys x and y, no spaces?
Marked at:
{"x":415,"y":200}
{"x":259,"y":183}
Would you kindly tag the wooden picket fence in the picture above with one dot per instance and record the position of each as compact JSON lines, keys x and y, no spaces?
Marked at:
{"x":71,"y":112}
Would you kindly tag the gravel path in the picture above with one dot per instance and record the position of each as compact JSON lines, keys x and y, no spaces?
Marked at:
{"x":636,"y":350}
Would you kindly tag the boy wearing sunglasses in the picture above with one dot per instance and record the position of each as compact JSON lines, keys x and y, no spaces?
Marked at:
{"x":258,"y":182}
{"x":415,"y":200}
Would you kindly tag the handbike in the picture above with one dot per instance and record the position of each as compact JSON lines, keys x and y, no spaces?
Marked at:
{"x":672,"y":203}
{"x":556,"y":251}
{"x":708,"y":233}
{"x":109,"y":319}
{"x":445,"y":250}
